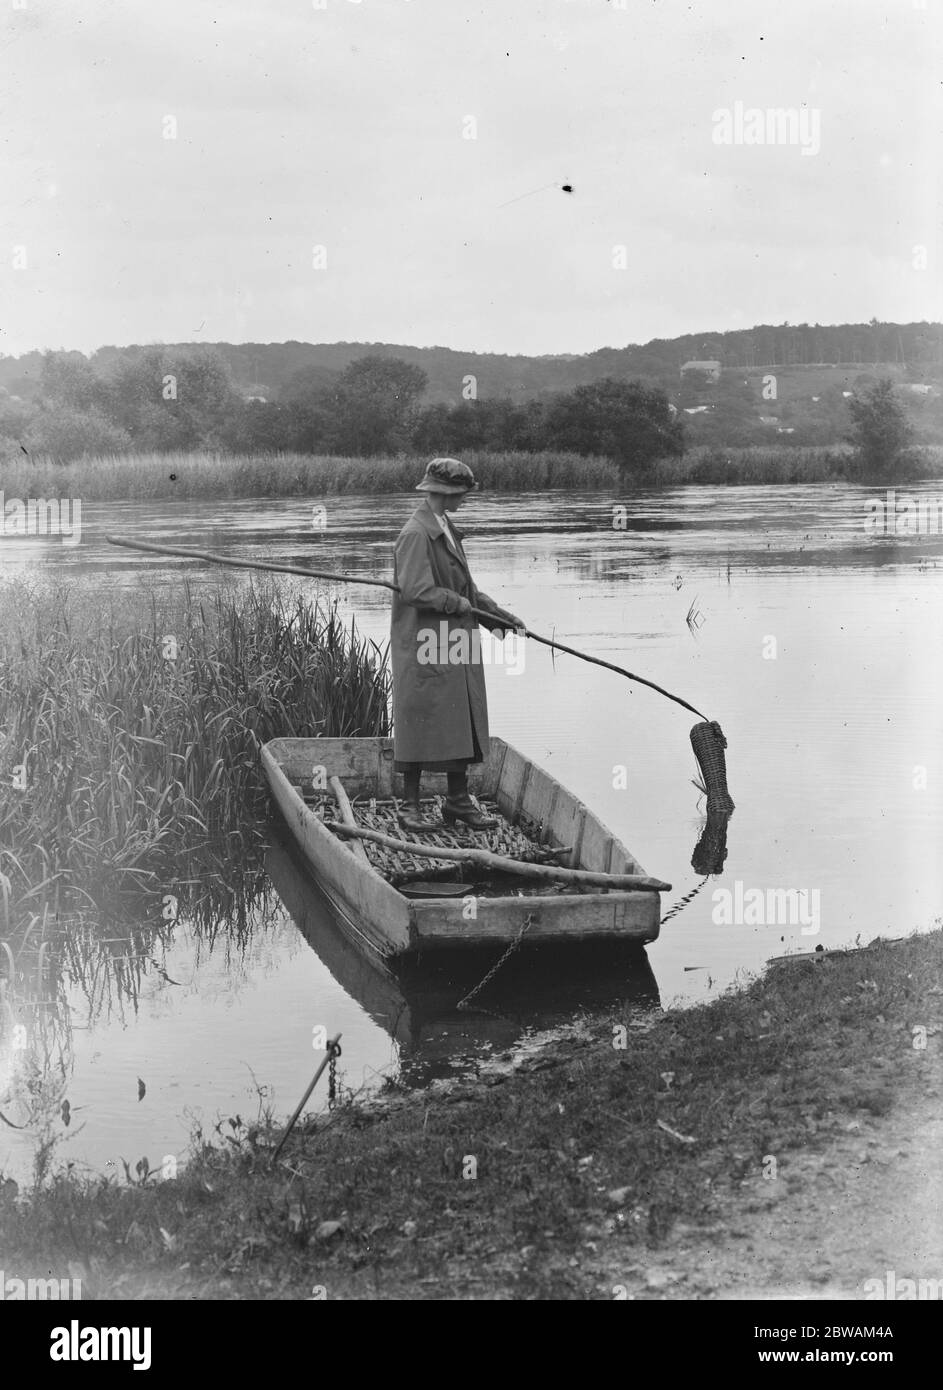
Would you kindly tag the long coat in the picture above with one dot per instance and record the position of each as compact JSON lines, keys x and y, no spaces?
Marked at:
{"x":438,"y":705}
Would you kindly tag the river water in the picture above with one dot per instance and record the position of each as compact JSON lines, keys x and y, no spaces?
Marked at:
{"x":817,"y":645}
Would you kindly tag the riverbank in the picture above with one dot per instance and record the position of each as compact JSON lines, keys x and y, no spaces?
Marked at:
{"x":709,"y":1153}
{"x":187,"y":476}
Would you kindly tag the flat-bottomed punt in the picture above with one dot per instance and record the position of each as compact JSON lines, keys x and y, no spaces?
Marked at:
{"x":534,"y":811}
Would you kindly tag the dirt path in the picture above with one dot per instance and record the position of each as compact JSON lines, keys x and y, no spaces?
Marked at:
{"x":825,"y":1225}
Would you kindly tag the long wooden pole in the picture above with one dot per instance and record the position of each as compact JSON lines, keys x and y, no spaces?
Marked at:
{"x":347,"y":815}
{"x":211,"y":557}
{"x":488,"y":860}
{"x":610,"y":666}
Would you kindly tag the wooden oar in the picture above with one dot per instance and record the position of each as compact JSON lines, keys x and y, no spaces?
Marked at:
{"x":489,"y":860}
{"x":211,"y":557}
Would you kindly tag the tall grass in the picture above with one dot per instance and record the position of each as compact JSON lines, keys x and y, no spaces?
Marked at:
{"x":783,"y":464}
{"x":215,"y":476}
{"x":210,"y":475}
{"x":135,"y":722}
{"x":754,"y":465}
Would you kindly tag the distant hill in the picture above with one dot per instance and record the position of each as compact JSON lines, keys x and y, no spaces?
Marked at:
{"x":818,"y":354}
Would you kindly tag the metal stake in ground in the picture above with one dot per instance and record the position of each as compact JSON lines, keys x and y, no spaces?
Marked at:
{"x":331,"y":1054}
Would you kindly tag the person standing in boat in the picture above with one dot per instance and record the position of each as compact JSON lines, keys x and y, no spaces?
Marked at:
{"x":440,"y":709}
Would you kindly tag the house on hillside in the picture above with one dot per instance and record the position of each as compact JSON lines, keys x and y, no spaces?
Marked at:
{"x":709,"y":367}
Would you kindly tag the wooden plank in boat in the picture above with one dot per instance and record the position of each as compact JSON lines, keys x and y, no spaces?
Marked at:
{"x":596,"y":847}
{"x":355,"y":761}
{"x":626,"y":916}
{"x":484,"y":780}
{"x":428,"y":888}
{"x":381,"y":912}
{"x":541,"y":792}
{"x":510,"y":791}
{"x":620,"y":860}
{"x":601,"y":852}
{"x":569,"y":815}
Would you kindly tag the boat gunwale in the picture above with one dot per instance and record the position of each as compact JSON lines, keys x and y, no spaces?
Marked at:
{"x":331,"y":885}
{"x":580,"y":809}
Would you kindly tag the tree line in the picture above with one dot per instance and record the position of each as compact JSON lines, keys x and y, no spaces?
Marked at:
{"x":182,"y":399}
{"x":267,"y":368}
{"x":170,"y":399}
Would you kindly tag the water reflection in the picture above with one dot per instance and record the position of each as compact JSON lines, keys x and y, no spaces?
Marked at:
{"x":68,"y":974}
{"x":416,"y":1000}
{"x":751,"y":526}
{"x":835,"y":750}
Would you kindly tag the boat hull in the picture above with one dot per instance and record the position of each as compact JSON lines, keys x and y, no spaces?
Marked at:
{"x":393,"y":924}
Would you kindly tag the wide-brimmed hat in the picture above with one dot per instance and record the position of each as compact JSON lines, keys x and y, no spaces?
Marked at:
{"x":447,"y":475}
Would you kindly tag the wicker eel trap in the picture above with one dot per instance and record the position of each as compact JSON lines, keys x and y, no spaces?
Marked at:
{"x":708,"y":742}
{"x":398,"y":867}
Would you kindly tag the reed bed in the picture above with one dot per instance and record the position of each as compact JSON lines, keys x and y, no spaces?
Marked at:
{"x":755,"y":465}
{"x":139,"y":477}
{"x":782,"y":464}
{"x":134,"y":720}
{"x":216,"y":476}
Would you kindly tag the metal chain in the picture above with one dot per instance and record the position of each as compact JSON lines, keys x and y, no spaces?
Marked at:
{"x":463,"y":1003}
{"x":332,"y":1076}
{"x":683,"y":902}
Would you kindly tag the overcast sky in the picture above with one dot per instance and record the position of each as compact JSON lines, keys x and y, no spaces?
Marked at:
{"x":345,"y":127}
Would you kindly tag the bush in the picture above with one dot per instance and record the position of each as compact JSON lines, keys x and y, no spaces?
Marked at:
{"x":881,"y":433}
{"x":63,"y":432}
{"x":622,"y":420}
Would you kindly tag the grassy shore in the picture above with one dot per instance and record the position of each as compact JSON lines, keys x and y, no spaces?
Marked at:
{"x":761,"y":465}
{"x":583,"y":1155}
{"x":782,"y":464}
{"x":220,"y":476}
